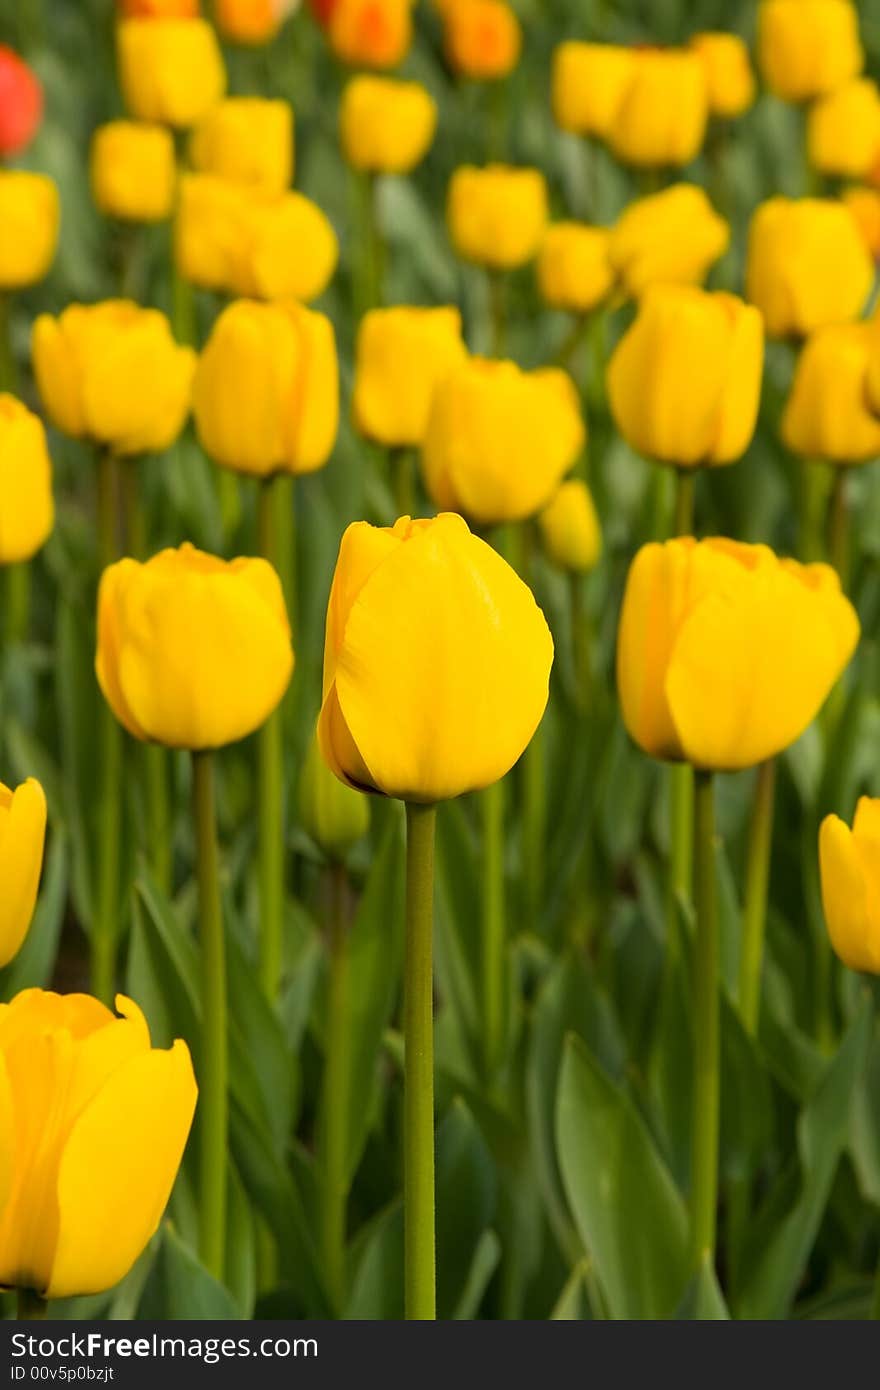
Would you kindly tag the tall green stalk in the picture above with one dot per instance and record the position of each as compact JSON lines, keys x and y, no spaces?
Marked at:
{"x":31,"y":1307}
{"x":334,"y":1109}
{"x":105,"y":925}
{"x":497,"y":312}
{"x":418,"y":1027}
{"x":707,"y":1034}
{"x":838,"y":525}
{"x":271,"y":794}
{"x":492,"y":802}
{"x":755,"y":909}
{"x":8,"y":365}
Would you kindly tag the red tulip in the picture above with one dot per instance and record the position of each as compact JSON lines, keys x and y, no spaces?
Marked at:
{"x":21,"y":103}
{"x":323,"y":11}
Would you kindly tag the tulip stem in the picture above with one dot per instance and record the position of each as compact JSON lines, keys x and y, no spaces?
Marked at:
{"x":18,"y":602}
{"x":683,"y":520}
{"x":402,"y":480}
{"x":155,"y":769}
{"x":337,"y":1061}
{"x":497,"y":312}
{"x":105,"y":926}
{"x":492,"y":801}
{"x":373,"y":255}
{"x":838,"y":524}
{"x":31,"y":1307}
{"x":271,"y":787}
{"x":214,"y":1063}
{"x":707,"y":1040}
{"x":8,"y":365}
{"x":755,"y":911}
{"x":681,"y":852}
{"x":418,"y":1200}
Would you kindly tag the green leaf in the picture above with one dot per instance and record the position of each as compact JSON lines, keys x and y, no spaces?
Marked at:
{"x":703,"y":1300}
{"x":466,"y":1195}
{"x":179,"y":1287}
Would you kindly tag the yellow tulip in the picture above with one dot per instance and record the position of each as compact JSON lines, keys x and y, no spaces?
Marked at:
{"x":661,"y":120}
{"x":684,"y":382}
{"x":386,"y":126}
{"x":436,"y":663}
{"x":242,"y":241}
{"x":729,"y":77}
{"x":482,"y":39}
{"x":807,"y":265}
{"x":333,"y":814}
{"x":500,"y":440}
{"x":574,"y":266}
{"x":726,"y":653}
{"x":193,"y":652}
{"x":170,"y":70}
{"x":497,"y":216}
{"x":27,"y":511}
{"x":113,"y":373}
{"x":371,"y":33}
{"x":402,"y":354}
{"x":808,"y":47}
{"x":672,"y":237}
{"x":94,"y":1124}
{"x":570,"y":528}
{"x":849,"y":863}
{"x":133,"y":171}
{"x":248,"y":140}
{"x":843,"y":130}
{"x":29,"y":220}
{"x":588,"y":85}
{"x":827,"y":414}
{"x":864,"y":204}
{"x":266,"y":391}
{"x":22,"y":838}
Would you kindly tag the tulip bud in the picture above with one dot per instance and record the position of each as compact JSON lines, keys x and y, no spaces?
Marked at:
{"x":21,"y":103}
{"x":500,"y":440}
{"x":864,"y":204}
{"x":482,"y":39}
{"x":158,"y":9}
{"x":193,"y":652}
{"x":843,"y":130}
{"x":726,"y":653}
{"x":570,"y":528}
{"x":684,"y":382}
{"x":673,"y":237}
{"x":107,"y":1117}
{"x":370,"y":33}
{"x":849,"y":865}
{"x":661,"y":119}
{"x":827,"y":414}
{"x":807,"y":265}
{"x":436,"y":665}
{"x":22,"y":839}
{"x":574,"y":267}
{"x":333,"y":814}
{"x":402,"y":355}
{"x":589,"y":82}
{"x":171,"y":70}
{"x":27,"y":511}
{"x":808,"y":47}
{"x":91,"y":366}
{"x":730,"y":81}
{"x":251,"y":21}
{"x":133,"y":171}
{"x":248,"y":140}
{"x":497,"y":216}
{"x":29,"y":218}
{"x":266,"y":391}
{"x":385,"y":126}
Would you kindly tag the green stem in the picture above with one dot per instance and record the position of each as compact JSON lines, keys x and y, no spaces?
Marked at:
{"x":813,"y":503}
{"x":8,"y":365}
{"x":105,"y":926}
{"x":572,"y":341}
{"x":755,"y":909}
{"x":534,"y":766}
{"x":213,"y":1080}
{"x":401,"y":464}
{"x":372,"y":269}
{"x":707,"y":1043}
{"x":581,"y":639}
{"x":271,"y":793}
{"x":492,"y":801}
{"x":683,"y":520}
{"x":135,"y":521}
{"x":838,"y":524}
{"x":155,"y":769}
{"x":681,"y":854}
{"x":497,"y":312}
{"x":337,"y":1065}
{"x":285,"y":541}
{"x":419,"y":1238}
{"x":31,"y":1307}
{"x":18,"y":603}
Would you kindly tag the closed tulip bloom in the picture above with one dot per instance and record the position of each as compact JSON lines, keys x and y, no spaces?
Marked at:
{"x":849,"y":866}
{"x":864,"y":204}
{"x":171,"y":70}
{"x":158,"y":9}
{"x":807,"y":265}
{"x":672,"y":237}
{"x":251,"y":21}
{"x":27,"y":512}
{"x":21,"y":103}
{"x":661,"y":120}
{"x":94,"y":1124}
{"x":570,"y":528}
{"x":29,"y":218}
{"x":113,"y":373}
{"x":386,"y":126}
{"x":193,"y":652}
{"x":482,"y":39}
{"x":497,"y":215}
{"x":725,"y":652}
{"x":370,"y":33}
{"x":402,"y":355}
{"x":827,"y":414}
{"x":22,"y":839}
{"x":729,"y":77}
{"x":574,"y":267}
{"x":500,"y":440}
{"x":333,"y":814}
{"x":246,"y":139}
{"x":843,"y":130}
{"x":588,"y":85}
{"x":684,"y":382}
{"x":436,"y":661}
{"x":266,"y":392}
{"x":808,"y":47}
{"x":133,"y":171}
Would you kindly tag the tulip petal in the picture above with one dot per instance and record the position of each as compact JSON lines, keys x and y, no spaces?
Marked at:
{"x":653,"y":608}
{"x":22,"y":836}
{"x":57,"y":377}
{"x":845,"y":897}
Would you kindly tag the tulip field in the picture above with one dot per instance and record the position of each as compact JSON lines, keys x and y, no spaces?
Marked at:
{"x":439,"y":717}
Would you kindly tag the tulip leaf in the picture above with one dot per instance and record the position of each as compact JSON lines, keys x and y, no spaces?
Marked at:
{"x":703,"y":1300}
{"x":179,"y":1287}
